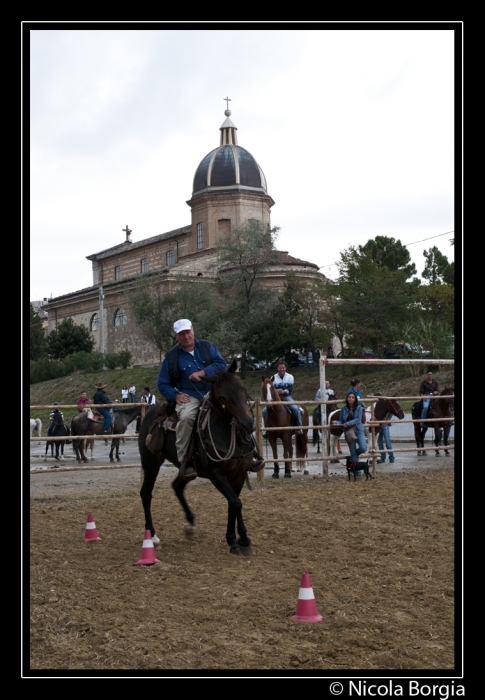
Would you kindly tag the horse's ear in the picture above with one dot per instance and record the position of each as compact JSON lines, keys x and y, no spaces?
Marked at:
{"x":263,"y":379}
{"x":233,"y":366}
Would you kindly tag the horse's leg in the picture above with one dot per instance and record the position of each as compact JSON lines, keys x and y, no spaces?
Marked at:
{"x":178,"y":486}
{"x":446,"y":434}
{"x":302,"y":451}
{"x":287,"y":454}
{"x":276,"y":468}
{"x":234,"y":514}
{"x":436,"y":439}
{"x":151,"y":467}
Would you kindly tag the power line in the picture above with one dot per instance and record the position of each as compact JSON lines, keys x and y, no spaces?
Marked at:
{"x":428,"y":239}
{"x":404,"y":244}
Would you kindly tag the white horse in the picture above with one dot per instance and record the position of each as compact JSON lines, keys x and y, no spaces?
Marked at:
{"x":36,"y":424}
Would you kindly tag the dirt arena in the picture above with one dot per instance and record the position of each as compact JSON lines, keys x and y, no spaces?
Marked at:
{"x":380,"y":555}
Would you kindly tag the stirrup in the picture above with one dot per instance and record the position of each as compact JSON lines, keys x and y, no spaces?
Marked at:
{"x":257,"y":465}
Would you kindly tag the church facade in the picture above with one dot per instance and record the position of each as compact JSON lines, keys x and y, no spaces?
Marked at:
{"x":229,"y":190}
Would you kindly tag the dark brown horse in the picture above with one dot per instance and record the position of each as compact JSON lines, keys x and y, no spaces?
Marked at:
{"x":223,"y":453}
{"x":83,"y":425}
{"x":280,"y":417}
{"x":59,"y":429}
{"x":440,"y":407}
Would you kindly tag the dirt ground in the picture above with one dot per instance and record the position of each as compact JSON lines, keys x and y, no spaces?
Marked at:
{"x":380,"y":555}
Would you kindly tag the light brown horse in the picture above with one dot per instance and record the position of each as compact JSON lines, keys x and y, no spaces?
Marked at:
{"x":280,"y":417}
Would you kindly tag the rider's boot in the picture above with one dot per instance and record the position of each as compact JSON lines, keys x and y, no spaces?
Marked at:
{"x":258,"y":462}
{"x":187,"y":471}
{"x":105,"y":432}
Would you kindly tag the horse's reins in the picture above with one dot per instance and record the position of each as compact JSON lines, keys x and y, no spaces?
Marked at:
{"x":207,"y":423}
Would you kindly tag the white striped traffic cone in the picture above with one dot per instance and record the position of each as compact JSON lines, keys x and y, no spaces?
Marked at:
{"x":91,"y":533}
{"x":147,"y":556}
{"x":306,"y":607}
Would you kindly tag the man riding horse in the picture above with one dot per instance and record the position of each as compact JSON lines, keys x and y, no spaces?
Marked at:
{"x":428,"y":387}
{"x":283,"y":383}
{"x":181,"y":382}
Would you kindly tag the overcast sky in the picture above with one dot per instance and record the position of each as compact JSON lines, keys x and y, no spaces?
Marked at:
{"x":353,"y":129}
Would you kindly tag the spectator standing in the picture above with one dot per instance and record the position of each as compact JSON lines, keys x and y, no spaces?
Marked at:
{"x":124,"y":394}
{"x":146,"y":397}
{"x":429,"y":387}
{"x":351,"y":417}
{"x":132,"y":393}
{"x":384,"y":438}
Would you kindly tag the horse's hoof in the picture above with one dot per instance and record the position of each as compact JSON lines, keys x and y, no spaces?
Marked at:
{"x":235,"y":549}
{"x":275,"y":476}
{"x":190,"y":531}
{"x":306,"y":472}
{"x":246,"y":551}
{"x":287,"y":475}
{"x":156,"y":542}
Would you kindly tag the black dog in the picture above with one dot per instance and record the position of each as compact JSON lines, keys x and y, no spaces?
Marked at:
{"x":353,"y":467}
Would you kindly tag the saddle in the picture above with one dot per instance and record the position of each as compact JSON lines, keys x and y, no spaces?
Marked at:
{"x":166,"y":419}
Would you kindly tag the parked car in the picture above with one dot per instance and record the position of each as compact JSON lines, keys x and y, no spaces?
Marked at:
{"x":398,"y":350}
{"x":367,"y":353}
{"x":305,"y":359}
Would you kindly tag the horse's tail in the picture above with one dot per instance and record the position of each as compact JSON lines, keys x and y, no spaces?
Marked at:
{"x":39,"y":426}
{"x":301,"y":444}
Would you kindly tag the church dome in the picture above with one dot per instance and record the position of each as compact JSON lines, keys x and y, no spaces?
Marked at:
{"x":229,"y":167}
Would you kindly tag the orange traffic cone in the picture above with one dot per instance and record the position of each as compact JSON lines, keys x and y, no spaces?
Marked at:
{"x":91,"y":533}
{"x":147,"y":555}
{"x":306,"y":608}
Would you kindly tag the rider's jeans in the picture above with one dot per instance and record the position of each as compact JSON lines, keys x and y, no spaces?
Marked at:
{"x":187,"y":413}
{"x":294,"y":409}
{"x":107,"y":417}
{"x":426,"y":403}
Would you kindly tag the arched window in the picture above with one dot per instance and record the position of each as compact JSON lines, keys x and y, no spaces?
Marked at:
{"x":94,"y":323}
{"x":144,"y":265}
{"x":120,"y":317}
{"x":118,"y":273}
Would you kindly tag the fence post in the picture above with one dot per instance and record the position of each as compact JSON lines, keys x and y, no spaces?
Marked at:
{"x":259,"y":433}
{"x":373,"y":436}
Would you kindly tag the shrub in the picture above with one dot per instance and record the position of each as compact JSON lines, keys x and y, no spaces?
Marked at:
{"x":125,"y":357}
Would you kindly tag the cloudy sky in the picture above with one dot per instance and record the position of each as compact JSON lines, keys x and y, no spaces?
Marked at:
{"x":353,"y":128}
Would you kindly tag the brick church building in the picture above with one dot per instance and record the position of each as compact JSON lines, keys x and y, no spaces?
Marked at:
{"x":229,"y":190}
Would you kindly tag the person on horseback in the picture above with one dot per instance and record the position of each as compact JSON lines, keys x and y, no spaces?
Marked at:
{"x":428,"y":387}
{"x":100,"y":397}
{"x":52,"y":416}
{"x":181,"y":382}
{"x":83,"y":401}
{"x":283,"y":382}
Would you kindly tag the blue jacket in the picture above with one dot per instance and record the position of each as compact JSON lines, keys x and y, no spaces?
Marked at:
{"x":356,"y":421}
{"x":186,"y":365}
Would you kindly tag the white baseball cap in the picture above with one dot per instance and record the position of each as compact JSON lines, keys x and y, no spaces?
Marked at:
{"x":183,"y":324}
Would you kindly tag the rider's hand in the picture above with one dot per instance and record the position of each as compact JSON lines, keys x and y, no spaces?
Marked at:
{"x":197,"y":376}
{"x":182,"y":398}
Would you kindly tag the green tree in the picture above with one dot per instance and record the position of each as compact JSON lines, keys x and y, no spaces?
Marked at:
{"x":437,"y":303}
{"x":369,"y":296}
{"x":38,"y":343}
{"x":69,"y":338}
{"x":243,"y":256}
{"x":387,"y":252}
{"x":155,"y":310}
{"x":297,"y":317}
{"x":435,"y":266}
